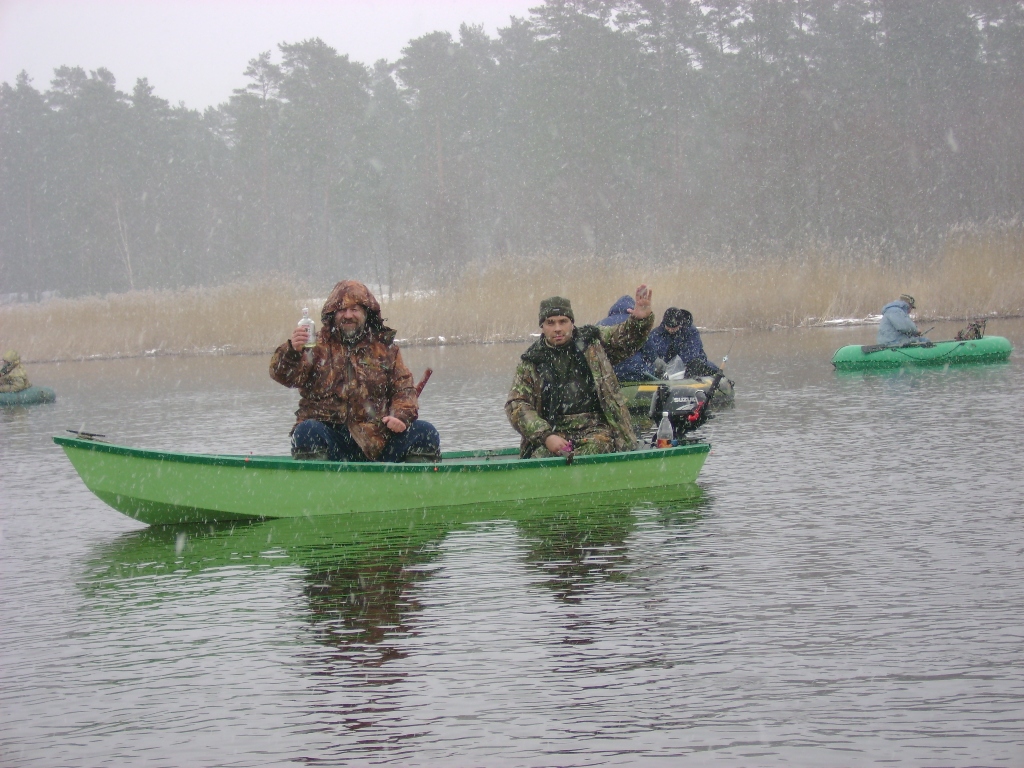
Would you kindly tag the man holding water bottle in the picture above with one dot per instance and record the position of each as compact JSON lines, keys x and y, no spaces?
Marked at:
{"x":357,"y":400}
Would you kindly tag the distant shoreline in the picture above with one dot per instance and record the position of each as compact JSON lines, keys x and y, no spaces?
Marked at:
{"x":496,"y":302}
{"x":464,"y":342}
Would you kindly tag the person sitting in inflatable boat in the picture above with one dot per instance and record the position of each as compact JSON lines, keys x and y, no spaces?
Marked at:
{"x":896,"y":328}
{"x":12,"y":374}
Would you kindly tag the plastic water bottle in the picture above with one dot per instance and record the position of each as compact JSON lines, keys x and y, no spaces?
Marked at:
{"x":310,"y":326}
{"x":663,"y":439}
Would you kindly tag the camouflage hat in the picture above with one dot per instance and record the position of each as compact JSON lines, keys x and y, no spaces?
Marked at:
{"x":907,"y":298}
{"x":10,"y":356}
{"x":554,"y":307}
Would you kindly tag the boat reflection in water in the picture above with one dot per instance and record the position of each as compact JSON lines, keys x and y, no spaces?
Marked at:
{"x":359,"y":572}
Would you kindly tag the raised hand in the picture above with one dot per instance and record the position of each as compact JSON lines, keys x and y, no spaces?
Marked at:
{"x":643,"y":303}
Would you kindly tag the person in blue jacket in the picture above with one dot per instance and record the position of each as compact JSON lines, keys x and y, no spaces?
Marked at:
{"x":896,"y":328}
{"x":639,"y":367}
{"x":678,"y":337}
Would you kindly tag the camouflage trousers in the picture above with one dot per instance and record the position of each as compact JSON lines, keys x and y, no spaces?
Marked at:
{"x":589,"y":433}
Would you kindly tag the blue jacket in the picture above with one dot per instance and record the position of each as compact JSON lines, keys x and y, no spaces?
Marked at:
{"x":685,"y":343}
{"x":896,"y":328}
{"x":639,"y":367}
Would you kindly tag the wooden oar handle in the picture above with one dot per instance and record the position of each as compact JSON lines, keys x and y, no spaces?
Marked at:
{"x":423,"y":381}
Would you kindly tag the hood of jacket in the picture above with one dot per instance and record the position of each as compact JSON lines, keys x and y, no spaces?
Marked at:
{"x":618,"y":314}
{"x":898,"y":304}
{"x":352,"y":293}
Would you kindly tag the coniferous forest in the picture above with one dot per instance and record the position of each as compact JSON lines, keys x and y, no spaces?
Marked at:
{"x":649,"y":128}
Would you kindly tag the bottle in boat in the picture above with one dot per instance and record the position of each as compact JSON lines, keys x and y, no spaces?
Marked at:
{"x":309,"y":325}
{"x":664,"y":435}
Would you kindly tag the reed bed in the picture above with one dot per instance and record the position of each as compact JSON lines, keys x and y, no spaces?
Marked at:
{"x":976,"y":273}
{"x":241,"y":318}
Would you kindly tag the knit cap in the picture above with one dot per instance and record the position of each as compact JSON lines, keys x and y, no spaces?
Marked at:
{"x":554,"y":307}
{"x":674,"y":316}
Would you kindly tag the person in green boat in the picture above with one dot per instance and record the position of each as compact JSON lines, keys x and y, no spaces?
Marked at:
{"x":357,"y":399}
{"x":565,"y":395}
{"x":12,"y":374}
{"x":896,"y":328}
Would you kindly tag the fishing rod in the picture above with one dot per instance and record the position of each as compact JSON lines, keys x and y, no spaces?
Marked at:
{"x":716,"y":382}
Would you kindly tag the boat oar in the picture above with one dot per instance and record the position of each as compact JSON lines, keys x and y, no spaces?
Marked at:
{"x":83,"y":435}
{"x":423,"y":381}
{"x":867,"y":349}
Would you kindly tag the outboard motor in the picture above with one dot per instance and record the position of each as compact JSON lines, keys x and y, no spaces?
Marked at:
{"x":687,"y":411}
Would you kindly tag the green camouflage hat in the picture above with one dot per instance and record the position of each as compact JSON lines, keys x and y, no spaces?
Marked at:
{"x":555,"y":306}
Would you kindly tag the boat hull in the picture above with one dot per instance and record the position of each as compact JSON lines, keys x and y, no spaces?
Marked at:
{"x":30,"y":396}
{"x":161,"y":488}
{"x":988,"y":349}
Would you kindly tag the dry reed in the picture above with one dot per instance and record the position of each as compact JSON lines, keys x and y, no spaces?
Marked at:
{"x":976,"y":273}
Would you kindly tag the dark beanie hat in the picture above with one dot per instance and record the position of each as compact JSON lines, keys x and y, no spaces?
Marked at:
{"x":555,"y":306}
{"x":674,"y":316}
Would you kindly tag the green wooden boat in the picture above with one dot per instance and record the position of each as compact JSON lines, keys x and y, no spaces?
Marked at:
{"x":30,"y":396}
{"x":159,"y":487}
{"x":987,"y":349}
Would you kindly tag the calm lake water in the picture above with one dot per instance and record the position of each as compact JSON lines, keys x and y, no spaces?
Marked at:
{"x":846,"y":587}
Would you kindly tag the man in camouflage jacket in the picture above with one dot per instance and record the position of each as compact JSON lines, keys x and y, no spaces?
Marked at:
{"x":565,"y":396}
{"x":12,"y":373}
{"x":357,"y":400}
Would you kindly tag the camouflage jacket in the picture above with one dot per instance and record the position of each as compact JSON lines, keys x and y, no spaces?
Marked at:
{"x":602,"y":347}
{"x":13,"y":377}
{"x":352,"y":383}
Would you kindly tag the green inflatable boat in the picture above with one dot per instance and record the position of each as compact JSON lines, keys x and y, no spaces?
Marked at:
{"x":988,"y":349}
{"x":159,"y":487}
{"x":30,"y":396}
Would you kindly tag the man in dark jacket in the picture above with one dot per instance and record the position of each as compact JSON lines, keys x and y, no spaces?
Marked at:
{"x":678,"y":337}
{"x":565,"y":395}
{"x":357,"y":399}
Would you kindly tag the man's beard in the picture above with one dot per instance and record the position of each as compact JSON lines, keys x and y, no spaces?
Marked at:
{"x":352,"y":333}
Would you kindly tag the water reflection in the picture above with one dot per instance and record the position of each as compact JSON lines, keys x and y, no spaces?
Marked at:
{"x":574,"y":552}
{"x":357,"y":606}
{"x":359,"y":573}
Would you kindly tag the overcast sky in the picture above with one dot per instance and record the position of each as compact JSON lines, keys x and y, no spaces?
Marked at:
{"x":196,"y":50}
